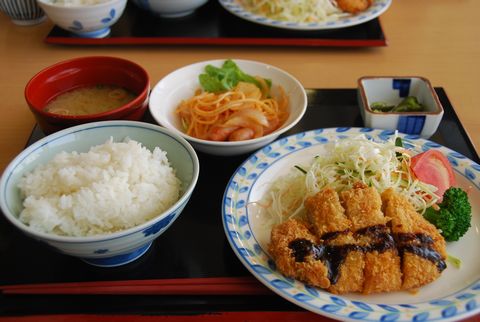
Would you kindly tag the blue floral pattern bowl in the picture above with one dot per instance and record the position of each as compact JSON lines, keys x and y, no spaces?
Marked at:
{"x":87,"y":21}
{"x":170,"y":8}
{"x":454,"y":296}
{"x":117,"y":248}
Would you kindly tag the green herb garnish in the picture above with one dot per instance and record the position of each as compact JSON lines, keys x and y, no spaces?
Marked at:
{"x":226,"y":78}
{"x":456,"y":262}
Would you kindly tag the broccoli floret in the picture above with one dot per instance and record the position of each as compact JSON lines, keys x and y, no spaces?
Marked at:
{"x":454,"y":216}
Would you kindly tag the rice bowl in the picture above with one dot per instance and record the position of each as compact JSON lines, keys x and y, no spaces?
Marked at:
{"x":121,"y":246}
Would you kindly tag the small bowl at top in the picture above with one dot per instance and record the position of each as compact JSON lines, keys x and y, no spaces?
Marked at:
{"x":170,"y":8}
{"x":85,"y":72}
{"x":23,"y":12}
{"x":183,"y":84}
{"x":106,"y":206}
{"x":84,"y":18}
{"x":407,"y":104}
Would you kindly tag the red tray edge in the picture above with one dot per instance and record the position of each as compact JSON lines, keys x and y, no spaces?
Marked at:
{"x":180,"y":286}
{"x":220,"y":41}
{"x":237,"y":316}
{"x":217,"y":41}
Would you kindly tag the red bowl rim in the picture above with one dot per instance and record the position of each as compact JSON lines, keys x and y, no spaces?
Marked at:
{"x":138,"y":101}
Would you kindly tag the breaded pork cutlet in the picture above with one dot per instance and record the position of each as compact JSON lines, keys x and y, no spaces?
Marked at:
{"x":359,"y":241}
{"x":293,"y":247}
{"x":419,"y":242}
{"x":382,"y":272}
{"x":331,"y":225}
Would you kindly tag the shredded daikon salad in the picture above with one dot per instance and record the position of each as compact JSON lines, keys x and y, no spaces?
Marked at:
{"x":344,"y":162}
{"x":303,"y":11}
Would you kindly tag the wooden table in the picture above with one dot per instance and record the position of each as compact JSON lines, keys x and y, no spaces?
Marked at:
{"x":437,"y":39}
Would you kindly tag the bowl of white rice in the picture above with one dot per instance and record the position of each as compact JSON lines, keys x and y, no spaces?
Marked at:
{"x":101,"y":191}
{"x":84,"y":18}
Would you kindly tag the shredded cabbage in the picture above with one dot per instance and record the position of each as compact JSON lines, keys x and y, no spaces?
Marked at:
{"x":304,"y":11}
{"x":381,"y":165}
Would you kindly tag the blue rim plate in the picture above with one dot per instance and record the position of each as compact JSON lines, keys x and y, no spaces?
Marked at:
{"x":455,"y":295}
{"x":375,"y":10}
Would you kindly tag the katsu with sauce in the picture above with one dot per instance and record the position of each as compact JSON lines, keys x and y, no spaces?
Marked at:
{"x":359,"y":241}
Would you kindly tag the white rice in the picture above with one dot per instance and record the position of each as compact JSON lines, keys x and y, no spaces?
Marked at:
{"x":112,"y":187}
{"x":77,"y":2}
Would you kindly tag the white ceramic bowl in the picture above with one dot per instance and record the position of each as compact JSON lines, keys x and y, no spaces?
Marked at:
{"x":170,"y":8}
{"x":393,"y":90}
{"x":23,"y":12}
{"x":182,"y":83}
{"x":110,"y":249}
{"x":88,"y":21}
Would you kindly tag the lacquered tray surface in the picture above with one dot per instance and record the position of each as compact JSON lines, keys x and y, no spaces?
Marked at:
{"x":194,"y":248}
{"x":213,"y":25}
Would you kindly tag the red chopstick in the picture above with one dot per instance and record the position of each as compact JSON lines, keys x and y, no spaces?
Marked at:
{"x":183,"y":286}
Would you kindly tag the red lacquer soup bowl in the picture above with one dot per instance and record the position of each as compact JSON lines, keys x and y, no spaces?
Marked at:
{"x":80,"y":72}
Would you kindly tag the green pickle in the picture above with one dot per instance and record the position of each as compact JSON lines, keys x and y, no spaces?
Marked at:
{"x":408,"y":104}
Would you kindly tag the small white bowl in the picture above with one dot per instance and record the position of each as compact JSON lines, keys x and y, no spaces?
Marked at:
{"x":170,"y":8}
{"x":123,"y":246}
{"x":182,"y":84}
{"x":393,"y":90}
{"x":87,"y":21}
{"x":23,"y":12}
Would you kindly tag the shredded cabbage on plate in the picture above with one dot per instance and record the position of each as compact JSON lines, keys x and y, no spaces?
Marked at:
{"x":304,"y":11}
{"x":344,"y":162}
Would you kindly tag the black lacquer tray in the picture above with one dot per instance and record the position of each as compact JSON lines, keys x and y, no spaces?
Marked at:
{"x":213,"y":25}
{"x":191,"y":267}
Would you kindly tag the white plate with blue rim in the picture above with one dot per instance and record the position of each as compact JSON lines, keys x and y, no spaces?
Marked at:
{"x":345,"y":20}
{"x":455,"y":295}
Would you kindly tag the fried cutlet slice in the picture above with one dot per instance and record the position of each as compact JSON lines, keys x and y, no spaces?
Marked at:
{"x":363,"y":206}
{"x":292,"y":246}
{"x":408,"y":220}
{"x":325,"y":212}
{"x":382,"y":272}
{"x":350,"y":277}
{"x":327,"y":217}
{"x":412,"y":232}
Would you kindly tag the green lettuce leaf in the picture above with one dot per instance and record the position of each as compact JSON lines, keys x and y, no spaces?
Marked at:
{"x":225,"y":78}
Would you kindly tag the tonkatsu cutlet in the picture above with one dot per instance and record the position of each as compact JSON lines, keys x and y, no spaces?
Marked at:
{"x":419,"y":242}
{"x":382,"y":272}
{"x":331,"y":225}
{"x":359,"y":241}
{"x":293,"y":248}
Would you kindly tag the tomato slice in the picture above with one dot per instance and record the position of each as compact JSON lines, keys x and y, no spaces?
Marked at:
{"x":433,"y":167}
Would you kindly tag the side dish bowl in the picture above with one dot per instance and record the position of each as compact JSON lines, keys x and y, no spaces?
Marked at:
{"x":23,"y":12}
{"x":88,"y":21}
{"x":170,"y":8}
{"x":392,"y":91}
{"x":181,"y":84}
{"x":87,"y":71}
{"x":119,"y":247}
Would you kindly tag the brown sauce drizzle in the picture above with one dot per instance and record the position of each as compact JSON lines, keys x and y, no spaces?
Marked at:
{"x":333,"y":256}
{"x":420,"y":245}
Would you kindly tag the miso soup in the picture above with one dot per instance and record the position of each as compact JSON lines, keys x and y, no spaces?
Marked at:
{"x":90,"y":100}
